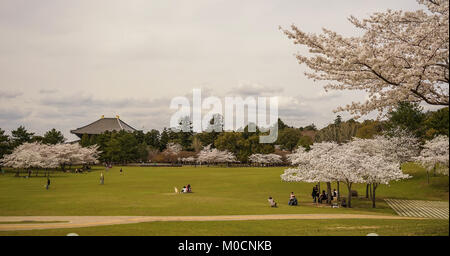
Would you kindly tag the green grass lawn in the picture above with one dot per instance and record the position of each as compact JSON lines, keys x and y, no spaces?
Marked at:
{"x":217,"y":191}
{"x":258,"y":228}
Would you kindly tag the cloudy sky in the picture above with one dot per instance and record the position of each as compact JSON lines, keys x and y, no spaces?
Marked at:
{"x":63,"y":64}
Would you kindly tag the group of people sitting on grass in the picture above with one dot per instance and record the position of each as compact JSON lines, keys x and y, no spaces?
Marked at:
{"x":320,"y":198}
{"x":317,"y":198}
{"x":292,"y":201}
{"x":185,"y":189}
{"x":81,"y":170}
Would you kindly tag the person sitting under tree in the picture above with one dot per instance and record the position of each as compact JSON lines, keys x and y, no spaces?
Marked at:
{"x":344,"y":202}
{"x":323,"y":196}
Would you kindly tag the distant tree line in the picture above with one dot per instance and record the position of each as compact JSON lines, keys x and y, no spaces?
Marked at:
{"x":125,"y":147}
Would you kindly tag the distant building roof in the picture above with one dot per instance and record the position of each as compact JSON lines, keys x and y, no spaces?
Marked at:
{"x":102,"y":125}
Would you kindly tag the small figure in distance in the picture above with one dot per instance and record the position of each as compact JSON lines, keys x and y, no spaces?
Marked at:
{"x":48,"y":183}
{"x":293,"y":200}
{"x":344,"y":203}
{"x":323,"y":196}
{"x":335,"y":193}
{"x":314,"y":194}
{"x":272,"y":202}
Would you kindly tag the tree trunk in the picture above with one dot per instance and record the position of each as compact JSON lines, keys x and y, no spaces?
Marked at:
{"x":329,"y":192}
{"x":339,"y":192}
{"x":370,"y":191}
{"x":349,"y":187}
{"x":367,"y":190}
{"x":428,"y":176}
{"x":374,"y":187}
{"x":319,"y":188}
{"x":434,"y":170}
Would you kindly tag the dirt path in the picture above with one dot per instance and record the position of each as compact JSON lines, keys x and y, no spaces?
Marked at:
{"x":90,"y":221}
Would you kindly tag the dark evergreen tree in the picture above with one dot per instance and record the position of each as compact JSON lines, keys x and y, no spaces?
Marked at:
{"x":53,"y":137}
{"x":20,"y":136}
{"x":5,"y":144}
{"x":407,"y":116}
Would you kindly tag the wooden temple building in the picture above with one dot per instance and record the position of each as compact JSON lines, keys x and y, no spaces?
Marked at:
{"x":102,"y":125}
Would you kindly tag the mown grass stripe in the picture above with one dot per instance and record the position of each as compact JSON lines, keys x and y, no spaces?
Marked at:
{"x":418,"y":208}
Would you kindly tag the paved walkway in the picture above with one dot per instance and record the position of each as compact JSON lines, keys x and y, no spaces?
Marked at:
{"x":417,"y":208}
{"x":90,"y":221}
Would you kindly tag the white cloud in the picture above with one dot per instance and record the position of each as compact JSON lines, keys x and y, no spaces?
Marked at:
{"x":9,"y":94}
{"x":63,"y":64}
{"x":247,"y":88}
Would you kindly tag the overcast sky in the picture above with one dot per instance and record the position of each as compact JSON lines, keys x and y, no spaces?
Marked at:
{"x":63,"y":64}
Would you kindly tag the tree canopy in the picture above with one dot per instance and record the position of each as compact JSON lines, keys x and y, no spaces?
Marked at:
{"x":402,"y":56}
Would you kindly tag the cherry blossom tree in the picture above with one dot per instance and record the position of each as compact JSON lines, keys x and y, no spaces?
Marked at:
{"x":66,"y":154}
{"x":189,"y":159}
{"x":37,"y":155}
{"x":296,"y":156}
{"x":434,"y":152}
{"x":172,"y":150}
{"x":24,"y":156}
{"x":325,"y":162}
{"x":381,"y":159}
{"x":371,"y":161}
{"x":265,"y":159}
{"x":89,"y":155}
{"x":213,"y":155}
{"x":401,"y":56}
{"x":49,"y":158}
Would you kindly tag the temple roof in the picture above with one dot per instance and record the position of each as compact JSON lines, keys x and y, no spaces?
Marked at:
{"x":102,"y":125}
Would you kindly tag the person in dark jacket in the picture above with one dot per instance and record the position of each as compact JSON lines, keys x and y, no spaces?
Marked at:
{"x":323,"y":197}
{"x":48,"y":183}
{"x":315,"y":194}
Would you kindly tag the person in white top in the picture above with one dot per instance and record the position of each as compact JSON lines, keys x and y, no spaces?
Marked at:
{"x":272,"y":202}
